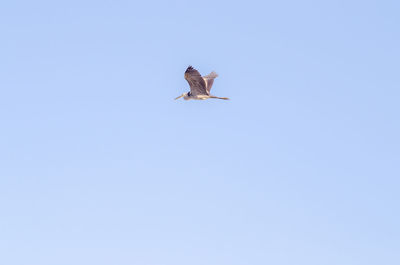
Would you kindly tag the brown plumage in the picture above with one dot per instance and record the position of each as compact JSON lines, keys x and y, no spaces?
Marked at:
{"x":200,"y":86}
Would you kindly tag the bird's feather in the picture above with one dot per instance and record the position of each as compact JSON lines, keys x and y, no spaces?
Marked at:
{"x":209,"y":79}
{"x":196,"y":82}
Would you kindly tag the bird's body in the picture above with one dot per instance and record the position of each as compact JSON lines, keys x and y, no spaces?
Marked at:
{"x":200,"y":86}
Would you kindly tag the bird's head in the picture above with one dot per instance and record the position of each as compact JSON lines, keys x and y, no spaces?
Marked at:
{"x":184,"y":95}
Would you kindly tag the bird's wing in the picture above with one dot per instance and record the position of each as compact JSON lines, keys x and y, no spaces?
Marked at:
{"x":196,"y":82}
{"x":209,"y":79}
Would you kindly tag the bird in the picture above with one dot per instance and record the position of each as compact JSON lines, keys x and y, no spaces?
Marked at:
{"x":200,"y":86}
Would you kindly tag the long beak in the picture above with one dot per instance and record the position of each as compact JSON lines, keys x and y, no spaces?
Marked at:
{"x":179,"y":96}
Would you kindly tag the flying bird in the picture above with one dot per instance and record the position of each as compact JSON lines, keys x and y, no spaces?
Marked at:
{"x":200,"y":86}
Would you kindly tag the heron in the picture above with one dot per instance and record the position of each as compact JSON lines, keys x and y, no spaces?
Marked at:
{"x":200,"y":86}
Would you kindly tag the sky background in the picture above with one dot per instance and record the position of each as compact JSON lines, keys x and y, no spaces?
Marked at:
{"x":99,"y":165}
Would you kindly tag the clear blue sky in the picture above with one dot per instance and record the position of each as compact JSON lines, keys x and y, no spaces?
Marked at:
{"x":99,"y":165}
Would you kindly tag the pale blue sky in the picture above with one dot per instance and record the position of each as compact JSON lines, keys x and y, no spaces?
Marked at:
{"x":99,"y":165}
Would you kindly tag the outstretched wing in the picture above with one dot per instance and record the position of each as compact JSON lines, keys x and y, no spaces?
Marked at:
{"x":209,"y":79}
{"x":196,"y":82}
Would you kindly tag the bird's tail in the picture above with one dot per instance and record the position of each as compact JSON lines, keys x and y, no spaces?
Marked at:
{"x":219,"y":97}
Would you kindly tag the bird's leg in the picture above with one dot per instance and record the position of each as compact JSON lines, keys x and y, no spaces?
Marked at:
{"x":219,"y":97}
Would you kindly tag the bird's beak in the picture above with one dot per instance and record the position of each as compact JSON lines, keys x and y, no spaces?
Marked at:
{"x":179,"y":96}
